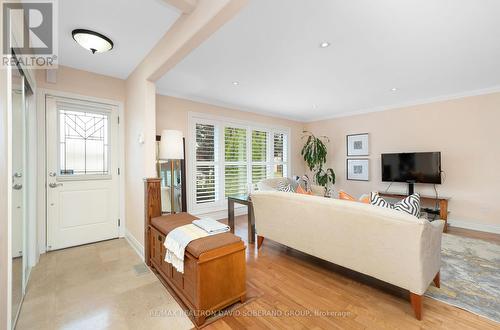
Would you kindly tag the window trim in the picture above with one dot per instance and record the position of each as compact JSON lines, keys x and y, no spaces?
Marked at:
{"x":220,"y":122}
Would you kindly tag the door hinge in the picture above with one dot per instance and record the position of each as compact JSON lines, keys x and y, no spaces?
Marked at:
{"x":118,"y":171}
{"x":118,"y":120}
{"x":119,"y":222}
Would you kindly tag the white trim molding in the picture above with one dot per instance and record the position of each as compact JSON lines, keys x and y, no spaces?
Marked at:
{"x":349,"y":113}
{"x":488,"y":228}
{"x":134,"y":243}
{"x":398,"y":106}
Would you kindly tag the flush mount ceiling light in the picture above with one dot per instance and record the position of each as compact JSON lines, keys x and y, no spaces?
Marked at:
{"x":93,"y":41}
{"x":236,"y":83}
{"x":324,"y":44}
{"x":394,"y":89}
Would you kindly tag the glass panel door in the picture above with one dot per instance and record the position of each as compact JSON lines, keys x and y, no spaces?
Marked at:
{"x":18,"y":188}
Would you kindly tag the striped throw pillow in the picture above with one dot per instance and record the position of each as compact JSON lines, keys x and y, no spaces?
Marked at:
{"x":284,"y":186}
{"x":410,"y":204}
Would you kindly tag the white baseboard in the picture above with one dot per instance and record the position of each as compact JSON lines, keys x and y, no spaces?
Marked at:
{"x":488,"y":228}
{"x":134,"y":243}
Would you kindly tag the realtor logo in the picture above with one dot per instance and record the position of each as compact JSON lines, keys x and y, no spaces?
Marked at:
{"x":29,"y":33}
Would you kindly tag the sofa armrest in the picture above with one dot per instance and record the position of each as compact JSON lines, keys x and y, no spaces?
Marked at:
{"x":431,"y":252}
{"x":438,"y":225}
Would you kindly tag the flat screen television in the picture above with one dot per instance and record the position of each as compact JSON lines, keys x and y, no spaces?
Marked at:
{"x":416,"y":167}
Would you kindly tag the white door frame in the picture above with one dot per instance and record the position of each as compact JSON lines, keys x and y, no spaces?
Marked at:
{"x":42,"y":160}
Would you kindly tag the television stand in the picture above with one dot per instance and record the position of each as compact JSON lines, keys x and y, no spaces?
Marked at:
{"x":411,"y":188}
{"x":443,"y":204}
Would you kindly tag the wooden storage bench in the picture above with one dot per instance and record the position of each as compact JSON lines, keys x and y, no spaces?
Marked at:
{"x":214,"y":266}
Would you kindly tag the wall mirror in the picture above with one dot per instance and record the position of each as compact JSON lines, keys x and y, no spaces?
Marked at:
{"x":165,"y":168}
{"x":20,"y":92}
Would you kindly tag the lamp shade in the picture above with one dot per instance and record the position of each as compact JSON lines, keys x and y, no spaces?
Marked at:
{"x":171,"y":145}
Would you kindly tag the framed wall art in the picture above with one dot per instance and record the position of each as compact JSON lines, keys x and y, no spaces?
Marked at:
{"x":358,"y":145}
{"x":358,"y":169}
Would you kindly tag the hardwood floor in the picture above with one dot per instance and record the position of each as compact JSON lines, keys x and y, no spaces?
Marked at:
{"x":302,"y":292}
{"x":493,"y":238}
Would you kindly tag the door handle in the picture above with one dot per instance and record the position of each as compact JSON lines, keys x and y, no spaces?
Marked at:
{"x":55,"y":185}
{"x":17,"y":186}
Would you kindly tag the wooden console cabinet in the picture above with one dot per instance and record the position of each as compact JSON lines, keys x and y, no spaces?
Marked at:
{"x":214,"y":269}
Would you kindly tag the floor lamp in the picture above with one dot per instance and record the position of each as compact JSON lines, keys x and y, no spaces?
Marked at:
{"x":171,"y":149}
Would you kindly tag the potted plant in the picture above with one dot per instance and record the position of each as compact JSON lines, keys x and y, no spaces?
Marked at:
{"x":314,"y":153}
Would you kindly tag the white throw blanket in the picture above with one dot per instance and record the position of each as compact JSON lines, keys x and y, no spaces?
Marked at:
{"x":211,"y":226}
{"x":177,"y":241}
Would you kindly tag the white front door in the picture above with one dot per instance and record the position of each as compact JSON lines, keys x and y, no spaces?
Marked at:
{"x":82,"y":172}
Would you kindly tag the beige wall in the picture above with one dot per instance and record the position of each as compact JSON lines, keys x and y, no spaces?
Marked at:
{"x":139,"y":157}
{"x":172,"y":113}
{"x":186,"y":34}
{"x":464,"y":130}
{"x":85,"y":83}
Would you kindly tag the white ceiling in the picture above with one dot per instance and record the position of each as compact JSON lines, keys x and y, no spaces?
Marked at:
{"x":427,"y":49}
{"x":135,"y":26}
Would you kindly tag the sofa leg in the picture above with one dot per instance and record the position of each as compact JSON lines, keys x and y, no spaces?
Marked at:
{"x":416,"y":303}
{"x":437,"y":280}
{"x":260,"y":240}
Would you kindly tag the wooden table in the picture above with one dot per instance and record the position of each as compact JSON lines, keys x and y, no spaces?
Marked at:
{"x":245,"y":200}
{"x":443,"y":204}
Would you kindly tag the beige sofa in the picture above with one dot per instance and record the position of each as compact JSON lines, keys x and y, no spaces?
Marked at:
{"x":389,"y":245}
{"x":272,"y":184}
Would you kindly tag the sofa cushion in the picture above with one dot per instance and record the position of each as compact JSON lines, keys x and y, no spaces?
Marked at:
{"x":167,"y":223}
{"x":410,"y":204}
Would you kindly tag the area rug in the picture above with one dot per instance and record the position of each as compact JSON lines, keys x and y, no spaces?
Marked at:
{"x":470,"y":276}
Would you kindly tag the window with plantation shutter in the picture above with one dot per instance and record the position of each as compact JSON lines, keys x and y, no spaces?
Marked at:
{"x":235,"y":161}
{"x":280,"y":154}
{"x":227,"y":158}
{"x":259,"y":156}
{"x":206,"y":185}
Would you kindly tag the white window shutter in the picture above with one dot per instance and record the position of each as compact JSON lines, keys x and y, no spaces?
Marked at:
{"x":259,"y":156}
{"x":235,"y":161}
{"x":206,"y":180}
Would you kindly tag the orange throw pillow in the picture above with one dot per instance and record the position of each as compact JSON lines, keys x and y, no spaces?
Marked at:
{"x":301,"y":190}
{"x":345,"y":196}
{"x":365,"y":199}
